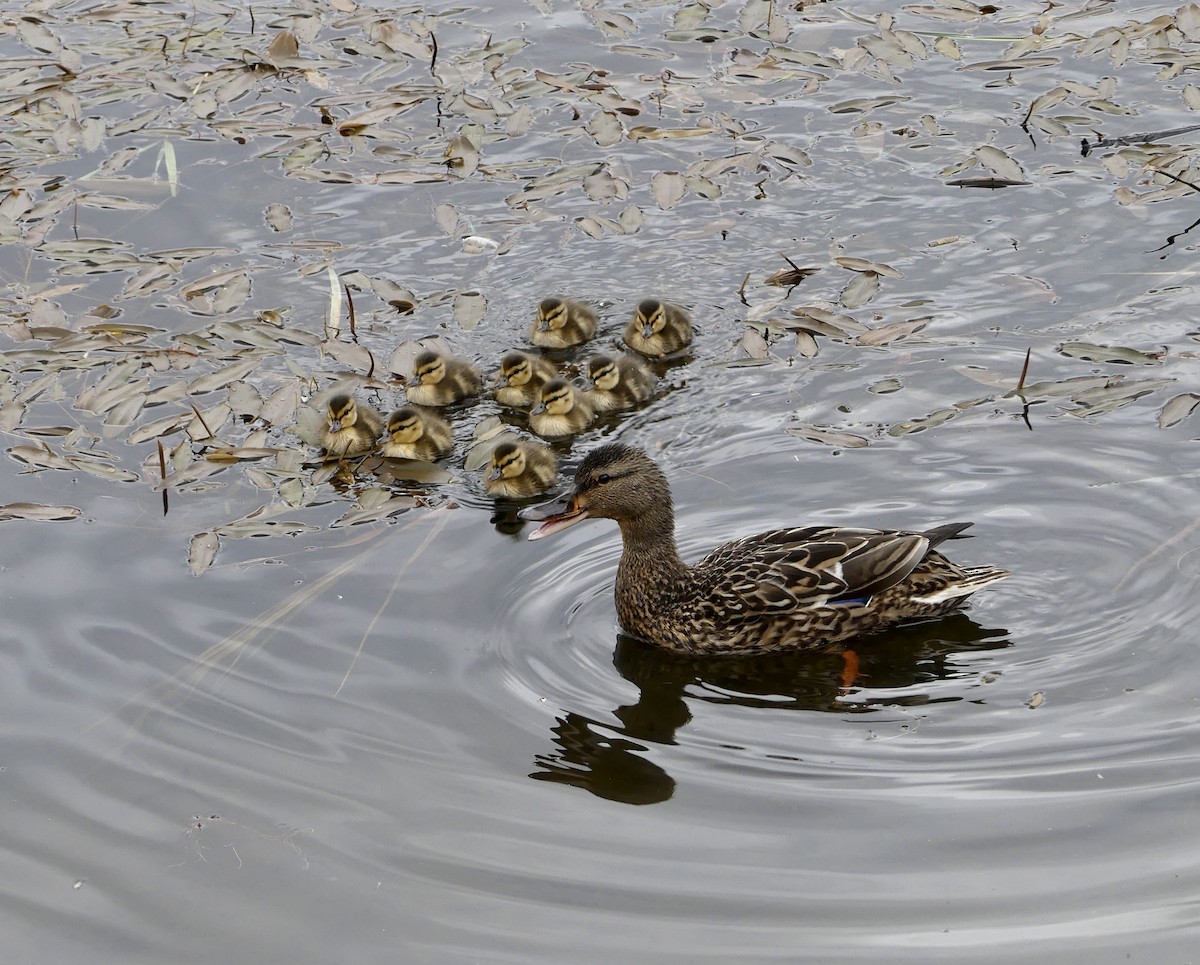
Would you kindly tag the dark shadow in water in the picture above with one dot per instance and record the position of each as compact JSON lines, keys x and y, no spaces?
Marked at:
{"x":610,"y":763}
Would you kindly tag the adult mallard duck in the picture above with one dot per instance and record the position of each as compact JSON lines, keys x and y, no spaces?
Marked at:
{"x":658,"y":328}
{"x":415,"y":433}
{"x":562,"y":322}
{"x":521,"y":379}
{"x":788,"y":589}
{"x":440,"y":380}
{"x":520,"y":469}
{"x":334,"y":421}
{"x":561,"y":411}
{"x":618,"y":382}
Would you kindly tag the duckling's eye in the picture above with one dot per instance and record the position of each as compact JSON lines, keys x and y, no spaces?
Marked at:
{"x":604,"y":478}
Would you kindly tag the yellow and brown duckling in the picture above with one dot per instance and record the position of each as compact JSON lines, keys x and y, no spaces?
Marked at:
{"x":562,"y":322}
{"x":336,"y":422}
{"x":618,"y":382}
{"x":520,"y":469}
{"x":521,"y":379}
{"x":416,"y":433}
{"x":658,"y":328}
{"x":561,"y":411}
{"x":440,"y":380}
{"x":788,"y":589}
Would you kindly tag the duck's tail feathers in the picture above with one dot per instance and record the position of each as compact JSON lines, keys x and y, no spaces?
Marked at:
{"x":971,"y":579}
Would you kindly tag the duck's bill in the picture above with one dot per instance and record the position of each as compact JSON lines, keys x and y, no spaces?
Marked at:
{"x":554,"y":516}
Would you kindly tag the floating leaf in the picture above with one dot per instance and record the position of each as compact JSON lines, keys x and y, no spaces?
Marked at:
{"x":202,"y":551}
{"x":1178,"y":409}
{"x":38,"y":512}
{"x":860,"y":290}
{"x":667,"y":188}
{"x":469,"y":309}
{"x":1105,"y":353}
{"x":829,"y":437}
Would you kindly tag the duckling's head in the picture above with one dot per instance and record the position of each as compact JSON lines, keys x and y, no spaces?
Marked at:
{"x":405,"y":426}
{"x":551,"y":314}
{"x":615,"y":481}
{"x":342,"y":412}
{"x":558,"y":398}
{"x":602,"y":370}
{"x":429,"y":369}
{"x":652,"y":316}
{"x":508,"y":461}
{"x":516,"y":368}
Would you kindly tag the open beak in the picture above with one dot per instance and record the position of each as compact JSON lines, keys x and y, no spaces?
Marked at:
{"x":554,"y":516}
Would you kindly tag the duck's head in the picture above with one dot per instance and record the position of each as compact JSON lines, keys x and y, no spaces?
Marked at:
{"x":602,"y":370}
{"x":342,"y":412}
{"x":551,"y":314}
{"x":651,"y":316}
{"x":429,"y":369}
{"x":615,"y":481}
{"x":515,"y":369}
{"x":558,"y":398}
{"x":508,"y":461}
{"x":405,"y":426}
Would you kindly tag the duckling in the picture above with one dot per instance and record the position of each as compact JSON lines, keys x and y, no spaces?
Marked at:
{"x":561,"y":411}
{"x":414,"y":433}
{"x":658,"y":328}
{"x":335,"y":422}
{"x":521,"y":379}
{"x":520,"y":469}
{"x":786,"y":589}
{"x":618,"y":382}
{"x":441,"y":380}
{"x":562,"y":322}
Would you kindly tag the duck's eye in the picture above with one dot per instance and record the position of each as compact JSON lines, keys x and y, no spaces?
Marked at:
{"x":604,"y":478}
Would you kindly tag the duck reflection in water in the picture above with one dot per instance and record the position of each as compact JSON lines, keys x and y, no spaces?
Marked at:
{"x":614,"y":762}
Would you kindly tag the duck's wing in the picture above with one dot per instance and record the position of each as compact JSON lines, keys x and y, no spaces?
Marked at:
{"x":791,"y":569}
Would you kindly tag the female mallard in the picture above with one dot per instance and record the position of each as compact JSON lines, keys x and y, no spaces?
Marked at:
{"x":561,"y":411}
{"x":788,"y":589}
{"x":618,"y":382}
{"x":521,"y":379}
{"x":413,"y":433}
{"x":335,"y":422}
{"x":440,"y":380}
{"x":658,"y":328}
{"x":520,"y":469}
{"x":562,"y":322}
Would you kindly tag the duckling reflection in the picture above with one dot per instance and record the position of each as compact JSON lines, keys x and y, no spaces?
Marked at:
{"x":521,"y":379}
{"x":658,"y":328}
{"x":908,"y":666}
{"x":440,"y":380}
{"x":562,"y":322}
{"x":335,"y":421}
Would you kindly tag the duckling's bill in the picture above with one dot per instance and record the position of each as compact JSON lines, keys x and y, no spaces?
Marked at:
{"x":554,"y":516}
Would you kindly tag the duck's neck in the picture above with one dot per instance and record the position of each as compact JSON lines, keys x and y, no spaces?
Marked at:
{"x":649,"y":541}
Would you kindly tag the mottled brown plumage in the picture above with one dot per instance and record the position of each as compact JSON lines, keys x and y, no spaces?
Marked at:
{"x":787,"y":589}
{"x":520,"y":469}
{"x":658,"y":328}
{"x":561,"y":411}
{"x":416,"y":433}
{"x":335,"y":421}
{"x":562,"y":322}
{"x":439,"y":380}
{"x":521,"y":379}
{"x":618,"y":382}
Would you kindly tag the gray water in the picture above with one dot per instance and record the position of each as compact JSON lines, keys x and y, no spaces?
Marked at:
{"x":424,"y":739}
